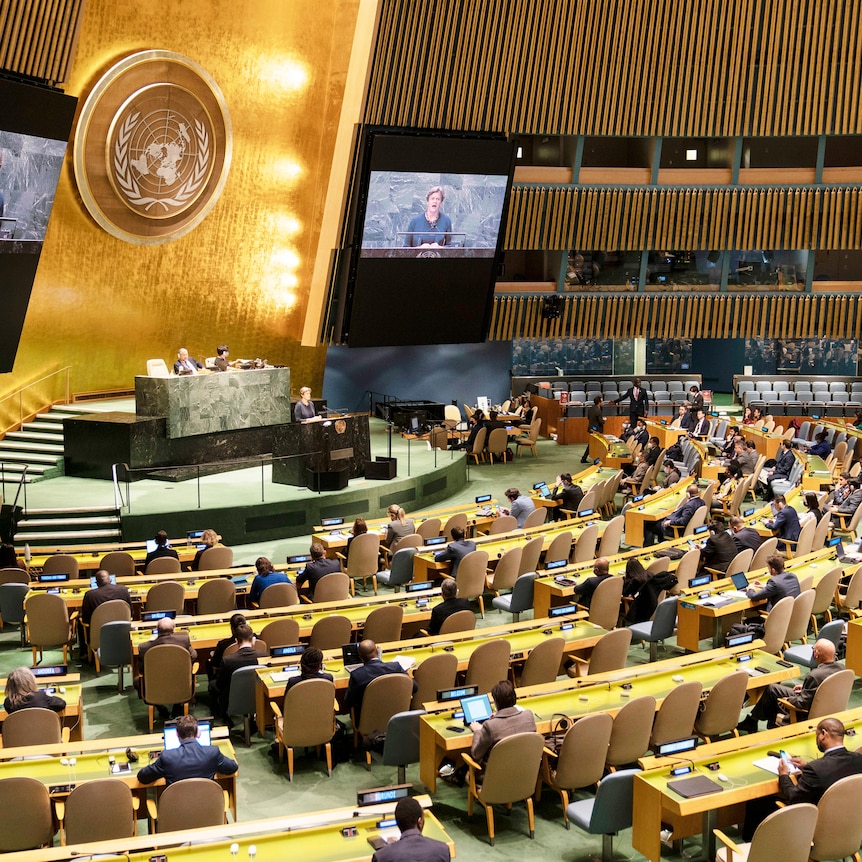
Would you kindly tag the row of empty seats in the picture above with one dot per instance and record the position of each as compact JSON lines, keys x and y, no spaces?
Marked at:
{"x":618,"y":385}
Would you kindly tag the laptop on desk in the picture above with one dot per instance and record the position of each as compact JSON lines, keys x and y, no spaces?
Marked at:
{"x":350,"y":657}
{"x":477,"y":708}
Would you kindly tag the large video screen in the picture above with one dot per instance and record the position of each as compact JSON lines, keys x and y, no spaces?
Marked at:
{"x":34,"y":129}
{"x":429,"y":216}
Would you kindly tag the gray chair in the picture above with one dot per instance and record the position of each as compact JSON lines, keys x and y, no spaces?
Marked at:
{"x":115,"y":648}
{"x":241,"y":697}
{"x":12,"y":606}
{"x":520,"y":599}
{"x":659,"y":628}
{"x":400,"y":570}
{"x":608,"y":812}
{"x":401,"y":746}
{"x":803,"y":654}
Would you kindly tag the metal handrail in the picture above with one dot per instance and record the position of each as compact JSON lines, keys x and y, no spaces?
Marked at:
{"x":19,"y":394}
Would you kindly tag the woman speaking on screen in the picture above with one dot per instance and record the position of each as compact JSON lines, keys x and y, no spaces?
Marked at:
{"x":432,"y":228}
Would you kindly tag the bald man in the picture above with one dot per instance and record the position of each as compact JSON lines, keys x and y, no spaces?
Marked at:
{"x":165,"y":634}
{"x":372,"y":667}
{"x":768,"y":709}
{"x":584,"y":592}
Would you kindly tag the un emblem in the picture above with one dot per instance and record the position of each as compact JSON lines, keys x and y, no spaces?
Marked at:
{"x":153,"y":147}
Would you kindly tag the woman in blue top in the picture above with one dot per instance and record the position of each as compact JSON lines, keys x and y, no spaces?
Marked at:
{"x":431,"y":228}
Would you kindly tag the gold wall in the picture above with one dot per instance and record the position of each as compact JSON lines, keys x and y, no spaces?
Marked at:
{"x":104,"y":306}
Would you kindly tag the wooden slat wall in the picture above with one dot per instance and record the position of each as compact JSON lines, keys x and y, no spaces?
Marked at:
{"x":38,"y":37}
{"x":619,"y":67}
{"x":689,"y":316}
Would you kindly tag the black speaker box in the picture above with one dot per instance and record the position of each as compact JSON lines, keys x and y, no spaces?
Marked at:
{"x":381,"y":468}
{"x":331,"y":480}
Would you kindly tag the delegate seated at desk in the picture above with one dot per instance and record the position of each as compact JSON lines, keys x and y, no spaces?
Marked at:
{"x":412,"y":846}
{"x":23,"y":692}
{"x":222,"y":354}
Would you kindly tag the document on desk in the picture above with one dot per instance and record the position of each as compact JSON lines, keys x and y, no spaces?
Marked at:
{"x":717,"y":602}
{"x":285,"y":675}
{"x":770,"y":764}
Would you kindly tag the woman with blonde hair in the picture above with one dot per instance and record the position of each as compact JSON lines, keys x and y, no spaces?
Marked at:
{"x":210,"y":538}
{"x":399,"y":526}
{"x":22,"y":692}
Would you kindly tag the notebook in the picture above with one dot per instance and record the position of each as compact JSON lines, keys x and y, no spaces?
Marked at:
{"x":698,"y":785}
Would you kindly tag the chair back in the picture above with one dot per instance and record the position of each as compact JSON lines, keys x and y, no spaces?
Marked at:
{"x":99,"y":810}
{"x":26,"y":815}
{"x":191,"y":804}
{"x":435,"y":673}
{"x":767,"y":549}
{"x":115,"y":644}
{"x":585,"y":545}
{"x":489,"y":663}
{"x":331,"y":632}
{"x":512,"y":769}
{"x":661,"y":565}
{"x":720,"y":712}
{"x":107,"y":612}
{"x":61,"y":564}
{"x":530,"y":553}
{"x":429,"y":528}
{"x":47,"y":620}
{"x":459,"y":519}
{"x":543,"y":665}
{"x":581,"y":759}
{"x":166,"y":596}
{"x":498,"y":440}
{"x":850,"y":600}
{"x":824,"y":592}
{"x":157,"y":368}
{"x":163,"y":566}
{"x":806,"y":539}
{"x":335,"y":587}
{"x":698,"y":519}
{"x":831,"y":696}
{"x":260,"y":647}
{"x":281,"y":633}
{"x":522,"y":594}
{"x":383,"y":697}
{"x":285,"y":595}
{"x":821,"y":532}
{"x":217,"y":596}
{"x":506,"y":572}
{"x":460,"y":621}
{"x":687,"y":568}
{"x":612,"y":808}
{"x":400,"y":569}
{"x":438,"y":437}
{"x":503,"y":524}
{"x":740,"y":562}
{"x":14,"y":575}
{"x":216,"y":557}
{"x":775,"y":627}
{"x":611,"y":652}
{"x":631,"y":732}
{"x":32,"y":726}
{"x":560,"y":548}
{"x":677,"y":714}
{"x":605,"y":603}
{"x":664,"y":619}
{"x":800,"y":617}
{"x":383,"y":624}
{"x":12,"y":603}
{"x":785,"y":834}
{"x":167,"y":675}
{"x":838,"y":833}
{"x":364,"y":552}
{"x":610,"y":543}
{"x":241,"y":696}
{"x":401,"y":745}
{"x":589,"y":500}
{"x":414,"y":540}
{"x":471,"y":574}
{"x":536,"y":518}
{"x":309,"y":713}
{"x":478,"y":449}
{"x":118,"y":563}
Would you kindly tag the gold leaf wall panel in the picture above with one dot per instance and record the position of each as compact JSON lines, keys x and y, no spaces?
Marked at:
{"x":621,"y":67}
{"x":104,"y":306}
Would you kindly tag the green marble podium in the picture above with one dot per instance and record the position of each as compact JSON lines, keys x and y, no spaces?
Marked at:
{"x":212,"y":403}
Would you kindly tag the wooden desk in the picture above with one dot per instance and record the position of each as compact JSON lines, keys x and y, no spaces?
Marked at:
{"x":598,"y":693}
{"x":653,"y":508}
{"x":854,"y":646}
{"x":610,"y":450}
{"x":766,"y":443}
{"x":89,"y":560}
{"x":816,"y":475}
{"x":73,"y":694}
{"x":655,"y":803}
{"x":667,"y":433}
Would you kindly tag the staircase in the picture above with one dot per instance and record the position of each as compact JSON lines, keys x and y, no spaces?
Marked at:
{"x":55,"y":529}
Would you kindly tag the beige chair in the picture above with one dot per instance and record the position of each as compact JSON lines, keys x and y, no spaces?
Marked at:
{"x":33,"y":726}
{"x":459,"y":519}
{"x":383,"y":624}
{"x":498,"y":442}
{"x":803,"y":544}
{"x":676,"y":716}
{"x":588,"y":501}
{"x":471,"y":577}
{"x":189,"y":804}
{"x":766,"y":550}
{"x":506,"y":572}
{"x":531,"y":551}
{"x":157,"y":368}
{"x":334,"y":587}
{"x":560,"y":548}
{"x":822,"y":532}
{"x":686,"y":569}
{"x":824,"y":595}
{"x":26,"y":818}
{"x":414,"y":540}
{"x":429,"y":529}
{"x":14,"y":575}
{"x":800,"y":618}
{"x":435,"y":673}
{"x":543,"y":663}
{"x":739,"y":563}
{"x":630,"y":737}
{"x":775,"y":626}
{"x":438,"y":438}
{"x":306,"y":718}
{"x":260,"y":647}
{"x":279,"y":596}
{"x":580,"y":762}
{"x":477,"y":450}
{"x":661,"y":564}
{"x":166,"y":596}
{"x":785,"y":834}
{"x":118,"y":563}
{"x":331,"y":632}
{"x":605,"y":603}
{"x":585,"y":545}
{"x":610,"y":543}
{"x":48,"y":623}
{"x":698,"y":519}
{"x":831,"y":696}
{"x":720,"y":713}
{"x":61,"y":564}
{"x":163,"y":566}
{"x":382,"y":698}
{"x":362,"y":562}
{"x":488,"y":664}
{"x":107,"y":612}
{"x":730,"y":506}
{"x":849,"y":600}
{"x":510,"y":776}
{"x":168,"y":678}
{"x":281,"y":633}
{"x":216,"y":596}
{"x":460,"y":621}
{"x":503,"y":524}
{"x":838,"y":833}
{"x":847,"y":525}
{"x":101,"y":809}
{"x":536,"y":518}
{"x":216,"y":557}
{"x":529,"y":441}
{"x":610,"y":653}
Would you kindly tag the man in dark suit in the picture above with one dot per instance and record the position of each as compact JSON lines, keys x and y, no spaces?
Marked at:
{"x":784,"y":462}
{"x":185,"y":364}
{"x":745,"y":537}
{"x":318,"y":568}
{"x":451,"y":604}
{"x":372,"y":667}
{"x":245,"y":656}
{"x":161,"y":549}
{"x":695,"y":398}
{"x":412,"y":846}
{"x":686,"y":420}
{"x":595,"y":422}
{"x":165,"y":634}
{"x":679,"y":517}
{"x":851,"y":502}
{"x":701,"y":426}
{"x":785,"y":524}
{"x":456,"y":550}
{"x":720,"y":549}
{"x":638,"y":401}
{"x":779,"y":585}
{"x":569,"y":495}
{"x":190,"y":760}
{"x":105,"y":591}
{"x":584,"y":592}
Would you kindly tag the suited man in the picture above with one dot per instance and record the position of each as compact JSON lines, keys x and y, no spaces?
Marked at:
{"x":638,"y":401}
{"x":638,"y":432}
{"x":165,"y":634}
{"x":568,"y":494}
{"x":372,"y":667}
{"x":584,"y":592}
{"x":768,"y":708}
{"x":245,"y":656}
{"x":785,"y":524}
{"x":779,"y":585}
{"x":719,"y":550}
{"x":679,"y":517}
{"x":190,"y":760}
{"x":456,"y":550}
{"x":695,"y":398}
{"x":744,"y":458}
{"x":595,"y":422}
{"x":318,"y":568}
{"x":684,"y":418}
{"x":185,"y":364}
{"x":105,"y":591}
{"x":745,"y":537}
{"x":783,"y":465}
{"x":412,"y":846}
{"x":451,"y":604}
{"x":161,"y":549}
{"x":850,"y":502}
{"x":701,"y":426}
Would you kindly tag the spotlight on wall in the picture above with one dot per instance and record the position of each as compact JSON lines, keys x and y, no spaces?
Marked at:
{"x":691,"y":155}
